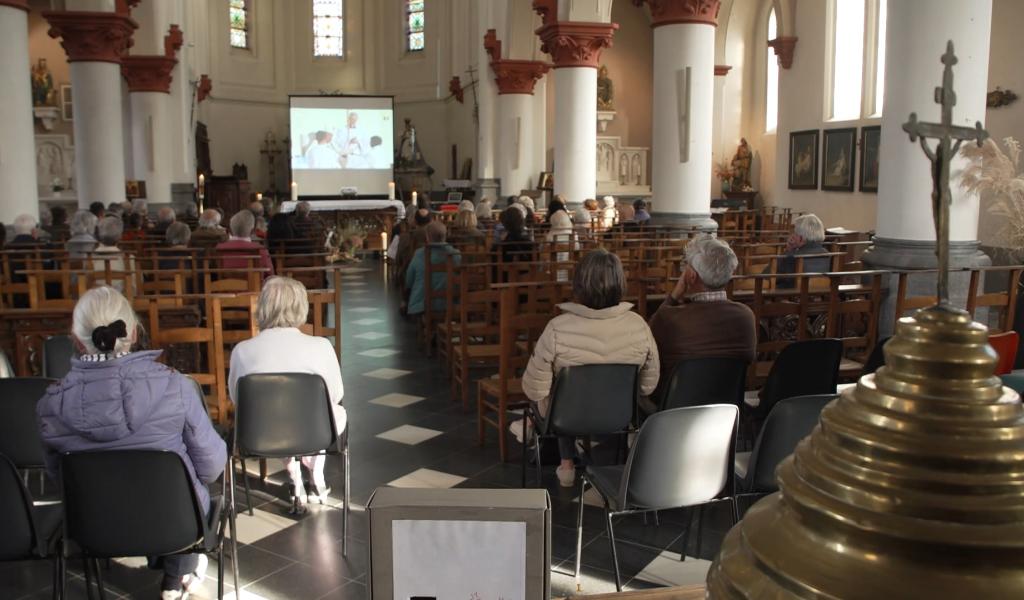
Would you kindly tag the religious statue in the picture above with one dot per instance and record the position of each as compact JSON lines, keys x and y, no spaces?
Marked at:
{"x":605,"y":90}
{"x":411,"y":170}
{"x":408,"y":148}
{"x":43,"y":92}
{"x":741,"y":166}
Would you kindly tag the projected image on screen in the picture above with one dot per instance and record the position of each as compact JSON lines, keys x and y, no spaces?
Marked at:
{"x":332,"y":139}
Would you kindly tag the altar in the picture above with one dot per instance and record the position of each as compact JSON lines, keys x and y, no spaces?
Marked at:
{"x":376,"y":217}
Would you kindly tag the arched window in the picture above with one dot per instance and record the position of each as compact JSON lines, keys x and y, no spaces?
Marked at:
{"x":414,"y":25}
{"x":238,"y":20}
{"x":771,"y":111}
{"x":329,"y":28}
{"x":858,"y":58}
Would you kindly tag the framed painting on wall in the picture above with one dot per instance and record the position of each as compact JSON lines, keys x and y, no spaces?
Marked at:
{"x":65,"y":102}
{"x":838,"y":159}
{"x":870,"y":142}
{"x":803,"y":160}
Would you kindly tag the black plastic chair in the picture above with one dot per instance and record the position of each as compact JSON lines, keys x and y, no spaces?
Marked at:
{"x":19,"y":431}
{"x":680,"y":458}
{"x":804,"y":368}
{"x":876,"y":360}
{"x":702,"y":381}
{"x":586,"y":400}
{"x":284,"y":415}
{"x":57,"y":353}
{"x":136,"y":503}
{"x":790,"y":421}
{"x":29,"y":532}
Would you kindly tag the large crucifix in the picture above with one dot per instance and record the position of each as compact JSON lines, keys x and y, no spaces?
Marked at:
{"x":947,"y":148}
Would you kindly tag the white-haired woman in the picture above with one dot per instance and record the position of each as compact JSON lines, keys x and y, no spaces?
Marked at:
{"x":114,"y":398}
{"x":806,"y":239}
{"x":82,"y":229}
{"x":281,"y":347}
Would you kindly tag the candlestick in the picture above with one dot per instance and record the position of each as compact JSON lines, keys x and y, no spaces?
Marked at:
{"x":414,"y":199}
{"x":391,"y":190}
{"x":259,"y":196}
{"x":295,"y":192}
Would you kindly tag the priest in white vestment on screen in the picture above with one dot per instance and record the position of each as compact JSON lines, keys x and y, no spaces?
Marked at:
{"x":353,"y":143}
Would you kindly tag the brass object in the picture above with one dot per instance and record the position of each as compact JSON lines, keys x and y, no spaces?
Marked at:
{"x":912,"y":485}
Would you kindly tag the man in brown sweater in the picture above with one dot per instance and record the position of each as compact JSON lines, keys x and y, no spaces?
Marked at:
{"x":698,"y":320}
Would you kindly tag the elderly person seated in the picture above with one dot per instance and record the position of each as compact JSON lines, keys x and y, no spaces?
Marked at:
{"x":114,"y":398}
{"x":140,"y":207}
{"x":176,"y":254}
{"x":640,"y":215}
{"x":305,"y":224}
{"x":82,"y":240}
{"x":280,"y":347}
{"x":483,"y":211}
{"x":806,"y":239}
{"x":164,"y":218}
{"x":415,"y":275}
{"x":697,"y":320}
{"x":108,"y":255}
{"x":531,"y":208}
{"x":26,"y":233}
{"x":235,"y":252}
{"x":558,"y":204}
{"x":516,"y":243}
{"x":414,"y":236}
{"x":209,"y":233}
{"x":598,"y":328}
{"x":465,"y":227}
{"x":258,"y":211}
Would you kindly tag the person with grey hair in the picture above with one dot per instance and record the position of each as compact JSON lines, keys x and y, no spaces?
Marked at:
{"x":82,"y":240}
{"x":806,"y":240}
{"x":164,"y":218}
{"x":598,"y":328}
{"x":208,"y":233}
{"x":280,"y":347}
{"x":415,"y":275}
{"x":116,"y":398}
{"x":235,"y":252}
{"x":483,"y":210}
{"x":141,"y":207}
{"x":305,"y":224}
{"x":26,"y":233}
{"x":108,"y":254}
{"x":697,"y":320}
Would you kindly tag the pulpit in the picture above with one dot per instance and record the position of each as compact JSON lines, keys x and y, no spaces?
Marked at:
{"x":227,"y":193}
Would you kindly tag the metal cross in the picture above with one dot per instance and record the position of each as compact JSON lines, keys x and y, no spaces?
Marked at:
{"x":945,"y":132}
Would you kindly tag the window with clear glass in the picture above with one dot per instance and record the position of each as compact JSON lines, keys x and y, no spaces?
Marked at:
{"x":771,"y":112}
{"x":238,"y":16}
{"x":414,"y":25}
{"x":847,"y":59}
{"x":329,"y":28}
{"x":883,"y":14}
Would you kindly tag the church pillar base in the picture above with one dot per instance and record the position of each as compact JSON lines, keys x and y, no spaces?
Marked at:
{"x":696,"y":221}
{"x":903,"y":255}
{"x":489,"y":188}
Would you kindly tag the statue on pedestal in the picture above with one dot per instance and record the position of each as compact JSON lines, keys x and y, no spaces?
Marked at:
{"x":605,"y":90}
{"x":43,"y":93}
{"x":741,"y":167}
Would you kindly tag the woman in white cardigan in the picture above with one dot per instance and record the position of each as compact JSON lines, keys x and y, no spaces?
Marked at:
{"x":281,"y":347}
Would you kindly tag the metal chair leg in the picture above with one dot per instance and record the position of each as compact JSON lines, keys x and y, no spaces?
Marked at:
{"x":579,"y":529}
{"x":245,"y":482}
{"x":63,"y":571}
{"x":233,"y":514}
{"x":56,"y":578}
{"x":540,"y":467}
{"x":686,"y":535}
{"x":700,"y":528}
{"x":525,"y":448}
{"x":615,"y":553}
{"x":348,"y":501}
{"x":99,"y":579}
{"x":87,"y":568}
{"x":220,"y":571}
{"x":735,"y":510}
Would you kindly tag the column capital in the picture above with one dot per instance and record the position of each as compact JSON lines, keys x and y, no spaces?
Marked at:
{"x":674,"y":12}
{"x":784,"y":47}
{"x":547,"y":9}
{"x":153,"y":73}
{"x":92,"y":36}
{"x":204,"y":88}
{"x":722,"y":70}
{"x":22,"y":4}
{"x":576,"y":44}
{"x":513,"y":76}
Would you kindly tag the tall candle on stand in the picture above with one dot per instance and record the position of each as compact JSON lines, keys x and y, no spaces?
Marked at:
{"x":295,"y":192}
{"x":391,"y":190}
{"x":259,"y":196}
{"x":414,"y":200}
{"x":202,"y":190}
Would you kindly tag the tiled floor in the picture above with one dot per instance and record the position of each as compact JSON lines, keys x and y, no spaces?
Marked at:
{"x":405,"y":431}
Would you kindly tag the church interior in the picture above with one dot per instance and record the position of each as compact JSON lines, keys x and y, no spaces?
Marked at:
{"x":559,"y":298}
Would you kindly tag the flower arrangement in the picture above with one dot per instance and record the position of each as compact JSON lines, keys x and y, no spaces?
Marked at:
{"x":723,"y":170}
{"x":995,"y":173}
{"x":343,"y":242}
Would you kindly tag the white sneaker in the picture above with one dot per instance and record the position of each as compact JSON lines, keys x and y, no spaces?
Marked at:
{"x":516,"y":429}
{"x":191,"y":582}
{"x":566,"y":477}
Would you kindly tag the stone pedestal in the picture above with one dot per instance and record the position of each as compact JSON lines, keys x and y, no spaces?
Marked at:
{"x":17,"y":144}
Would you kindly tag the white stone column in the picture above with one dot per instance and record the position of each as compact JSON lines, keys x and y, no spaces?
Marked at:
{"x":17,"y":139}
{"x":487,"y":105}
{"x":575,"y":49}
{"x":95,"y":42}
{"x":683,"y":110}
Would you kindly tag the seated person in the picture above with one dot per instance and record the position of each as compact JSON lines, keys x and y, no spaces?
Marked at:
{"x":98,"y":209}
{"x":559,"y":204}
{"x":136,"y":228}
{"x":598,"y":328}
{"x":414,"y":237}
{"x":416,"y":273}
{"x":164,"y":218}
{"x":281,"y":347}
{"x":257,"y":210}
{"x":26,"y":234}
{"x":641,"y":215}
{"x":57,"y":226}
{"x":516,"y":244}
{"x":305,"y":224}
{"x":83,"y":239}
{"x":209,"y":233}
{"x":807,"y":237}
{"x":108,"y":255}
{"x":114,"y":398}
{"x":236,"y":251}
{"x":280,"y":230}
{"x":465,"y":227}
{"x":698,"y":320}
{"x":176,"y":254}
{"x":483,"y":212}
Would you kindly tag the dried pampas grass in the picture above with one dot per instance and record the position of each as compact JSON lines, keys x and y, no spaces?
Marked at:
{"x":993,"y":173}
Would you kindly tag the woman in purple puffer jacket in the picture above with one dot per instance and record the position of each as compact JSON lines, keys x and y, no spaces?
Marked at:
{"x":114,"y":398}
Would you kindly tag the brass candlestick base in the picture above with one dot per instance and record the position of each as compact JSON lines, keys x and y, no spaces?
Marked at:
{"x":912,"y":486}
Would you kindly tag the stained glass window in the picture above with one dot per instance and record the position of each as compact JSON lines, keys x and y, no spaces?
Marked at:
{"x":328,"y":28}
{"x":414,"y":28}
{"x":238,"y":15}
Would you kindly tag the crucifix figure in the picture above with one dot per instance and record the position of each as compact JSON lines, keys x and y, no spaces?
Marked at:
{"x":949,"y":137}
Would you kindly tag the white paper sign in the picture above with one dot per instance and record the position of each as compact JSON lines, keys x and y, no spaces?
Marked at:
{"x":459,"y":560}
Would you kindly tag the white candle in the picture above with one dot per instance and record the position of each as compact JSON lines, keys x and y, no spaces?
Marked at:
{"x":295,"y":192}
{"x":259,"y":196}
{"x":202,"y":185}
{"x":414,"y":198}
{"x":391,"y":190}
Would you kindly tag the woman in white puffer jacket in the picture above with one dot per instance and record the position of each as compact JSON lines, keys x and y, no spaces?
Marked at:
{"x":598,"y":328}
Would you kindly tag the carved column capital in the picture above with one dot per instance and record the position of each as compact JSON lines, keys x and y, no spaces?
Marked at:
{"x":547,"y":9}
{"x":722,"y":70}
{"x":518,"y":76}
{"x":22,"y":4}
{"x":576,"y":44}
{"x":92,"y":36}
{"x":153,"y":73}
{"x":672,"y":12}
{"x":784,"y":47}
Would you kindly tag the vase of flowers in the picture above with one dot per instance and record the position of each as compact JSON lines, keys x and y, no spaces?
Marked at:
{"x":994,"y":173}
{"x":724,"y":174}
{"x":343,"y":243}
